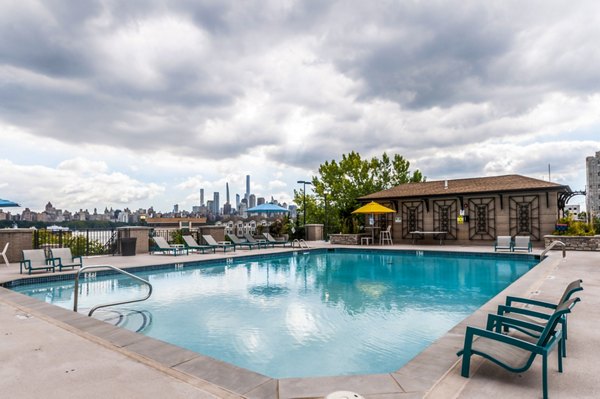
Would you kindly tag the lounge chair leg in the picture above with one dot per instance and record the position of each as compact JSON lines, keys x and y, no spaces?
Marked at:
{"x":545,"y":376}
{"x":561,"y":345}
{"x":466,"y":363}
{"x":466,"y":354}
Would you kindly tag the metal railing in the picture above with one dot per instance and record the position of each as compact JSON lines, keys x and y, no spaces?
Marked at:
{"x":84,"y":242}
{"x":76,"y":294}
{"x":301,"y":243}
{"x":552,"y":245}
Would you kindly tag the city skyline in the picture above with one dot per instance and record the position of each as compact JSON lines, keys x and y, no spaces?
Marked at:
{"x":115,"y":103}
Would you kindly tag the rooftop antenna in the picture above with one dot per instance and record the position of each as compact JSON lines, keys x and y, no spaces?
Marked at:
{"x":549,"y":175}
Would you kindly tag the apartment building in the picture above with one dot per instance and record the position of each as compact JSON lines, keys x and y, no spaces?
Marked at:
{"x":592,"y":198}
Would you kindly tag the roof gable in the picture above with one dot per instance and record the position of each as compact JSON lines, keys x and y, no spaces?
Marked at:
{"x":467,"y":186}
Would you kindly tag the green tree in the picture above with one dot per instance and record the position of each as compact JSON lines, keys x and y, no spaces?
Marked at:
{"x":339,"y":184}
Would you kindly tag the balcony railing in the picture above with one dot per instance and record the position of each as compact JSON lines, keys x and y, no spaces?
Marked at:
{"x":83,"y":242}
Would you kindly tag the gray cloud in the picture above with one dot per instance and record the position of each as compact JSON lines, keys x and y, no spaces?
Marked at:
{"x":301,"y":83}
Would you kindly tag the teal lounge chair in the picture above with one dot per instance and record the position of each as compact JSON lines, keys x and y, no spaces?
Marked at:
{"x":522,"y":243}
{"x":514,"y":354}
{"x":536,"y":316}
{"x":503,"y":242}
{"x":273,"y":241}
{"x":239,"y":243}
{"x":210,"y":240}
{"x":253,"y":240}
{"x":65,"y":258}
{"x":192,"y":245}
{"x":35,"y":259}
{"x":164,"y":247}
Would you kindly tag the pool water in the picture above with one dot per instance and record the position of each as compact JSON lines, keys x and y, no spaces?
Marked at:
{"x":317,"y":314}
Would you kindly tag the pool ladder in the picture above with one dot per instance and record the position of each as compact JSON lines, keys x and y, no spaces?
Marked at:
{"x":301,"y":243}
{"x":76,"y":294}
{"x":552,"y":245}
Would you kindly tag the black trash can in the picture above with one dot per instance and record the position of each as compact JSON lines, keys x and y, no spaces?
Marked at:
{"x":128,"y":246}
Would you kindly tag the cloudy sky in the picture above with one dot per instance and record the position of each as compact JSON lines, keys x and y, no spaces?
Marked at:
{"x":138,"y":103}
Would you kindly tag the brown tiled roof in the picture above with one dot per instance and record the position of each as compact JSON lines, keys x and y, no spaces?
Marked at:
{"x":467,"y":186}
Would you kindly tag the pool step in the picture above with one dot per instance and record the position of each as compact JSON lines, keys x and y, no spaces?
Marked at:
{"x":130,"y":319}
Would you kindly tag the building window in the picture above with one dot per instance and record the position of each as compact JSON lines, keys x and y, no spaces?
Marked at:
{"x":444,"y":218}
{"x":412,"y":219}
{"x":524,"y":216}
{"x":481,"y":219}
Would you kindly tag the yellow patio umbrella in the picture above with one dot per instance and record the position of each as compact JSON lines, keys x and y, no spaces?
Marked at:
{"x":373,"y":208}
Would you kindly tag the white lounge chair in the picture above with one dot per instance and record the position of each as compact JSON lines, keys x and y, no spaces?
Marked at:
{"x":4,"y":254}
{"x":239,"y":243}
{"x":253,"y":240}
{"x":503,"y":242}
{"x":210,"y":240}
{"x":35,"y":259}
{"x":272,"y":240}
{"x":163,"y":246}
{"x":522,"y":243}
{"x":192,"y":245}
{"x":65,"y":258}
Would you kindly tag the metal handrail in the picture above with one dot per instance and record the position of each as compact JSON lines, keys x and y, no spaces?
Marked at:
{"x":76,"y":297}
{"x":300,"y":243}
{"x":552,"y":245}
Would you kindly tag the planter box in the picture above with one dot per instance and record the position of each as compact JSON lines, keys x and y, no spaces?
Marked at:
{"x":575,"y":243}
{"x":346,"y":239}
{"x":561,"y":227}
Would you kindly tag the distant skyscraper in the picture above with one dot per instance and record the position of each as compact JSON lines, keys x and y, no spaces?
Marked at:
{"x":176,"y":208}
{"x":227,"y":209}
{"x":237,"y":201}
{"x":247,"y":187}
{"x":216,"y":205}
{"x":227,"y":193}
{"x":260,"y":200}
{"x":201,"y":197}
{"x":252,"y":202}
{"x":592,"y":197}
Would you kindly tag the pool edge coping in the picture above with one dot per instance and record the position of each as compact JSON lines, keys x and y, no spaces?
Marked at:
{"x":418,"y":376}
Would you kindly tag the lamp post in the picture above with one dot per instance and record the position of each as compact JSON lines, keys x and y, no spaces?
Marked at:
{"x":325,"y":194}
{"x":304,"y":200}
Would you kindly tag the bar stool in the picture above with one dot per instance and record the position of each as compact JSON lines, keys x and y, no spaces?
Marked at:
{"x":385,"y":237}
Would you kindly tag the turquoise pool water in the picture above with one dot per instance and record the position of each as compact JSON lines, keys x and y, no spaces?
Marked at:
{"x":317,"y":314}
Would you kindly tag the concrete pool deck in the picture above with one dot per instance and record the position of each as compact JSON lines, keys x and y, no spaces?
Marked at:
{"x":49,"y":351}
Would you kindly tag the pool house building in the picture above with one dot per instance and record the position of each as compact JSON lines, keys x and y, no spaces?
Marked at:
{"x":472,"y":210}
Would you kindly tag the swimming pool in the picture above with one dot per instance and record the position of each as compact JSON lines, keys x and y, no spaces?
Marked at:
{"x":323,"y":313}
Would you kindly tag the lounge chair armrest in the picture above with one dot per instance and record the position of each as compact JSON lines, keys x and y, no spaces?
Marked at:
{"x":511,"y":299}
{"x":26,"y":263}
{"x":502,"y":309}
{"x":496,"y":322}
{"x":510,"y":340}
{"x":78,"y":257}
{"x":55,"y":261}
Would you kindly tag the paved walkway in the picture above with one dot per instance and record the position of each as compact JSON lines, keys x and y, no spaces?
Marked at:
{"x":54,"y":353}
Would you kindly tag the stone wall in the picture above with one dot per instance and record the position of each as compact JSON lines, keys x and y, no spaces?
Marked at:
{"x":346,"y":239}
{"x":19,"y":240}
{"x":575,"y":243}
